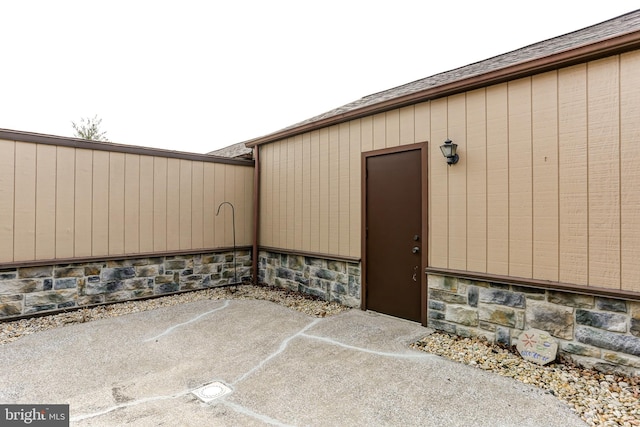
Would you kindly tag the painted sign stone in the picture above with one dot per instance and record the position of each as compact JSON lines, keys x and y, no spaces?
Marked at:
{"x":537,"y":346}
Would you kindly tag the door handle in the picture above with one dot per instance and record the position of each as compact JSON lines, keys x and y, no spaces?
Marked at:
{"x":415,"y":250}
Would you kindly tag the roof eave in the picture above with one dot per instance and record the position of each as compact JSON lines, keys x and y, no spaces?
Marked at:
{"x":611,"y":46}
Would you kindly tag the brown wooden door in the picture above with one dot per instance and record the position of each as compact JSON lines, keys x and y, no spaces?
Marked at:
{"x":393,"y":233}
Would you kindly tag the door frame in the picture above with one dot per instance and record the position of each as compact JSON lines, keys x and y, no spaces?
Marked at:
{"x":423,"y":147}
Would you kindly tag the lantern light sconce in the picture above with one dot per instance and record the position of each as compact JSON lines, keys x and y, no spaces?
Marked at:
{"x":449,"y":151}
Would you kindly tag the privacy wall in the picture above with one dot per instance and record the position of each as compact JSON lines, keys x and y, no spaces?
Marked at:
{"x":546,"y":187}
{"x":64,"y":199}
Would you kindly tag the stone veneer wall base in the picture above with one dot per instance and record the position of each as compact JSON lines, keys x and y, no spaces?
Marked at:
{"x":52,"y":288}
{"x":331,"y":280}
{"x":596,"y":332}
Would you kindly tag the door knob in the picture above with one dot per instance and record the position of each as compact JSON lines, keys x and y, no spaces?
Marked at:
{"x":415,"y":250}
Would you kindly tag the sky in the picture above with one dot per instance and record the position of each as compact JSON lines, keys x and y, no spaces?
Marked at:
{"x":196,"y":75}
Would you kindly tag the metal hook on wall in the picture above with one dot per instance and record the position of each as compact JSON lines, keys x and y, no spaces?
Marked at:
{"x":233,"y":218}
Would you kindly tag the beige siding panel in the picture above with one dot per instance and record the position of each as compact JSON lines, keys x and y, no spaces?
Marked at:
{"x":248,"y":211}
{"x":209,"y":205}
{"x":267,"y":169}
{"x":422,"y":122}
{"x":25,"y":202}
{"x":407,"y":125}
{"x":379,"y":131}
{"x":343,"y":189}
{"x":116,"y":203}
{"x":366,"y":134}
{"x":630,"y":170}
{"x":497,"y":180}
{"x":186,"y":181}
{"x":160,"y":185}
{"x":438,"y":202}
{"x":65,"y":201}
{"x":604,"y":173}
{"x":306,"y":192}
{"x":237,"y":198}
{"x":290,"y":193}
{"x":197,"y":205}
{"x":219,"y":192}
{"x":83,"y":216}
{"x":100,"y":204}
{"x":316,"y":183}
{"x":229,"y":196}
{"x":392,"y":128}
{"x":355,"y":194}
{"x":7,"y":182}
{"x":334,"y":190}
{"x":520,"y":180}
{"x":131,"y":203}
{"x":146,"y":204}
{"x":173,"y":204}
{"x":277,"y":162}
{"x":456,"y":113}
{"x":282,"y":196}
{"x":544,"y":100}
{"x":573,"y":196}
{"x":298,"y":191}
{"x":476,"y":162}
{"x":46,"y":202}
{"x":324,"y":191}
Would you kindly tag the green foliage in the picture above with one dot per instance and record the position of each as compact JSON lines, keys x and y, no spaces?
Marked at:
{"x":89,"y":128}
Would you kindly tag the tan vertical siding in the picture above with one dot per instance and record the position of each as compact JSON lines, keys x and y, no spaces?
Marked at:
{"x":520,"y":179}
{"x":185,"y":198}
{"x":132,"y":203}
{"x":497,"y":180}
{"x":546,"y":185}
{"x":160,"y":166}
{"x":197,"y":205}
{"x":476,"y":163}
{"x":209,"y":205}
{"x":83,"y":224}
{"x":65,"y":202}
{"x":173,"y":204}
{"x":544,"y":101}
{"x":116,"y":203}
{"x":573,"y":190}
{"x":604,"y":172}
{"x":355,"y":186}
{"x":630,"y":170}
{"x":100,"y":204}
{"x":219,"y":197}
{"x":456,"y":118}
{"x":439,"y":180}
{"x":45,"y":202}
{"x":343,"y":204}
{"x":298,"y":192}
{"x":146,"y":204}
{"x":290,"y":193}
{"x":7,"y":185}
{"x":25,"y":202}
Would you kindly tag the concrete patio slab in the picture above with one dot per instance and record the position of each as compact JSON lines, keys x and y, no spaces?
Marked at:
{"x":283,"y":367}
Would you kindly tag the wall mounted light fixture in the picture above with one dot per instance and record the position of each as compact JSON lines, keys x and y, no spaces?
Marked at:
{"x":449,"y":151}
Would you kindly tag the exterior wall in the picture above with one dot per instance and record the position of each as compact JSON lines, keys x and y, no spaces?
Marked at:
{"x":50,"y":288}
{"x":331,"y":280}
{"x":545,"y":187}
{"x":64,"y":202}
{"x":595,"y":331}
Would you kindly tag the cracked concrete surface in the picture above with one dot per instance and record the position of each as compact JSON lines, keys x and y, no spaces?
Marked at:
{"x":285,"y":369}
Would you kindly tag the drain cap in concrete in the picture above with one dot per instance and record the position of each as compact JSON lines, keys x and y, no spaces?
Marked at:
{"x":211,"y":392}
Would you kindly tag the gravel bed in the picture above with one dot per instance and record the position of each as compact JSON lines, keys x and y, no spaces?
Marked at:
{"x":599,"y":399}
{"x":13,"y":330}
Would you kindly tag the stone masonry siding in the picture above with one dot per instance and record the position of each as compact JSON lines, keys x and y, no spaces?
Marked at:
{"x":598,"y":332}
{"x":29,"y":290}
{"x":334,"y":281}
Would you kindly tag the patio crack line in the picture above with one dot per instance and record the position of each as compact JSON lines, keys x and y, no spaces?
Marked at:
{"x":248,"y":412}
{"x":366,"y":350}
{"x":283,"y":346}
{"x":170,"y":329}
{"x":127,"y":405}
